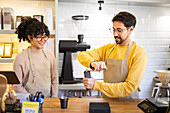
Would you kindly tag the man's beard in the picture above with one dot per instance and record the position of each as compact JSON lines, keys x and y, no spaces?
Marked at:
{"x":121,"y":40}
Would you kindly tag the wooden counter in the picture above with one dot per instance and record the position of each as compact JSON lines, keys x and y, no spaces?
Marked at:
{"x":81,"y":105}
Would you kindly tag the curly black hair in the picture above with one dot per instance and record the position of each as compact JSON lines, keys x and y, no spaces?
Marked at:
{"x":32,"y":27}
{"x":126,"y":18}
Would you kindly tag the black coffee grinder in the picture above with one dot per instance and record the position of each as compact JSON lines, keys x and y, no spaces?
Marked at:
{"x":67,"y":47}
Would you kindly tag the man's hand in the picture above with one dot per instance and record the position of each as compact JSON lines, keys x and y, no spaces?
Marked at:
{"x":89,"y":82}
{"x":98,"y":66}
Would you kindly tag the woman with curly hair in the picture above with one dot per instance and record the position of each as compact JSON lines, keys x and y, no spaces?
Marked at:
{"x":35,"y":67}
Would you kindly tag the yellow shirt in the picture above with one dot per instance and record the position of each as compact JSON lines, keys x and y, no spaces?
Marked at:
{"x":137,"y":61}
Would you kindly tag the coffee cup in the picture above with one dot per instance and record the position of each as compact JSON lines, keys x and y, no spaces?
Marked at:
{"x":64,"y":102}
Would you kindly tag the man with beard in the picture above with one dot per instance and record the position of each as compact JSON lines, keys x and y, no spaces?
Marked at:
{"x":123,"y":63}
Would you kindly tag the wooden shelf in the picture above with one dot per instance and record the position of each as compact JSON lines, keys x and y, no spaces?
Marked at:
{"x":7,"y":31}
{"x":6,"y":66}
{"x":52,"y":32}
{"x":6,"y":60}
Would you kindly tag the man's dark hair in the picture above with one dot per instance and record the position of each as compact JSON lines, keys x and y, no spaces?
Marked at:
{"x":31,"y":27}
{"x":126,"y":18}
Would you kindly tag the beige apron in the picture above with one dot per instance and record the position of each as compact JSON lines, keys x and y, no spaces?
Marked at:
{"x":117,"y":71}
{"x":39,"y":76}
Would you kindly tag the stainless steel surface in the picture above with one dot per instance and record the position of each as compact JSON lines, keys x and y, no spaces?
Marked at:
{"x":77,"y":91}
{"x":71,"y":86}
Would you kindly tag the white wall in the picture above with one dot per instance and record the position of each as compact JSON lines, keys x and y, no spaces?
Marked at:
{"x":152,"y":32}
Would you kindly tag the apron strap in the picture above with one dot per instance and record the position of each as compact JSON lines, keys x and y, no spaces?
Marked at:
{"x":32,"y":66}
{"x":128,"y":50}
{"x":45,"y":53}
{"x":127,"y":53}
{"x":111,"y":51}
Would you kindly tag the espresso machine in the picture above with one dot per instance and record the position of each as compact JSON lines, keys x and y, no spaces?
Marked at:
{"x":161,"y":102}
